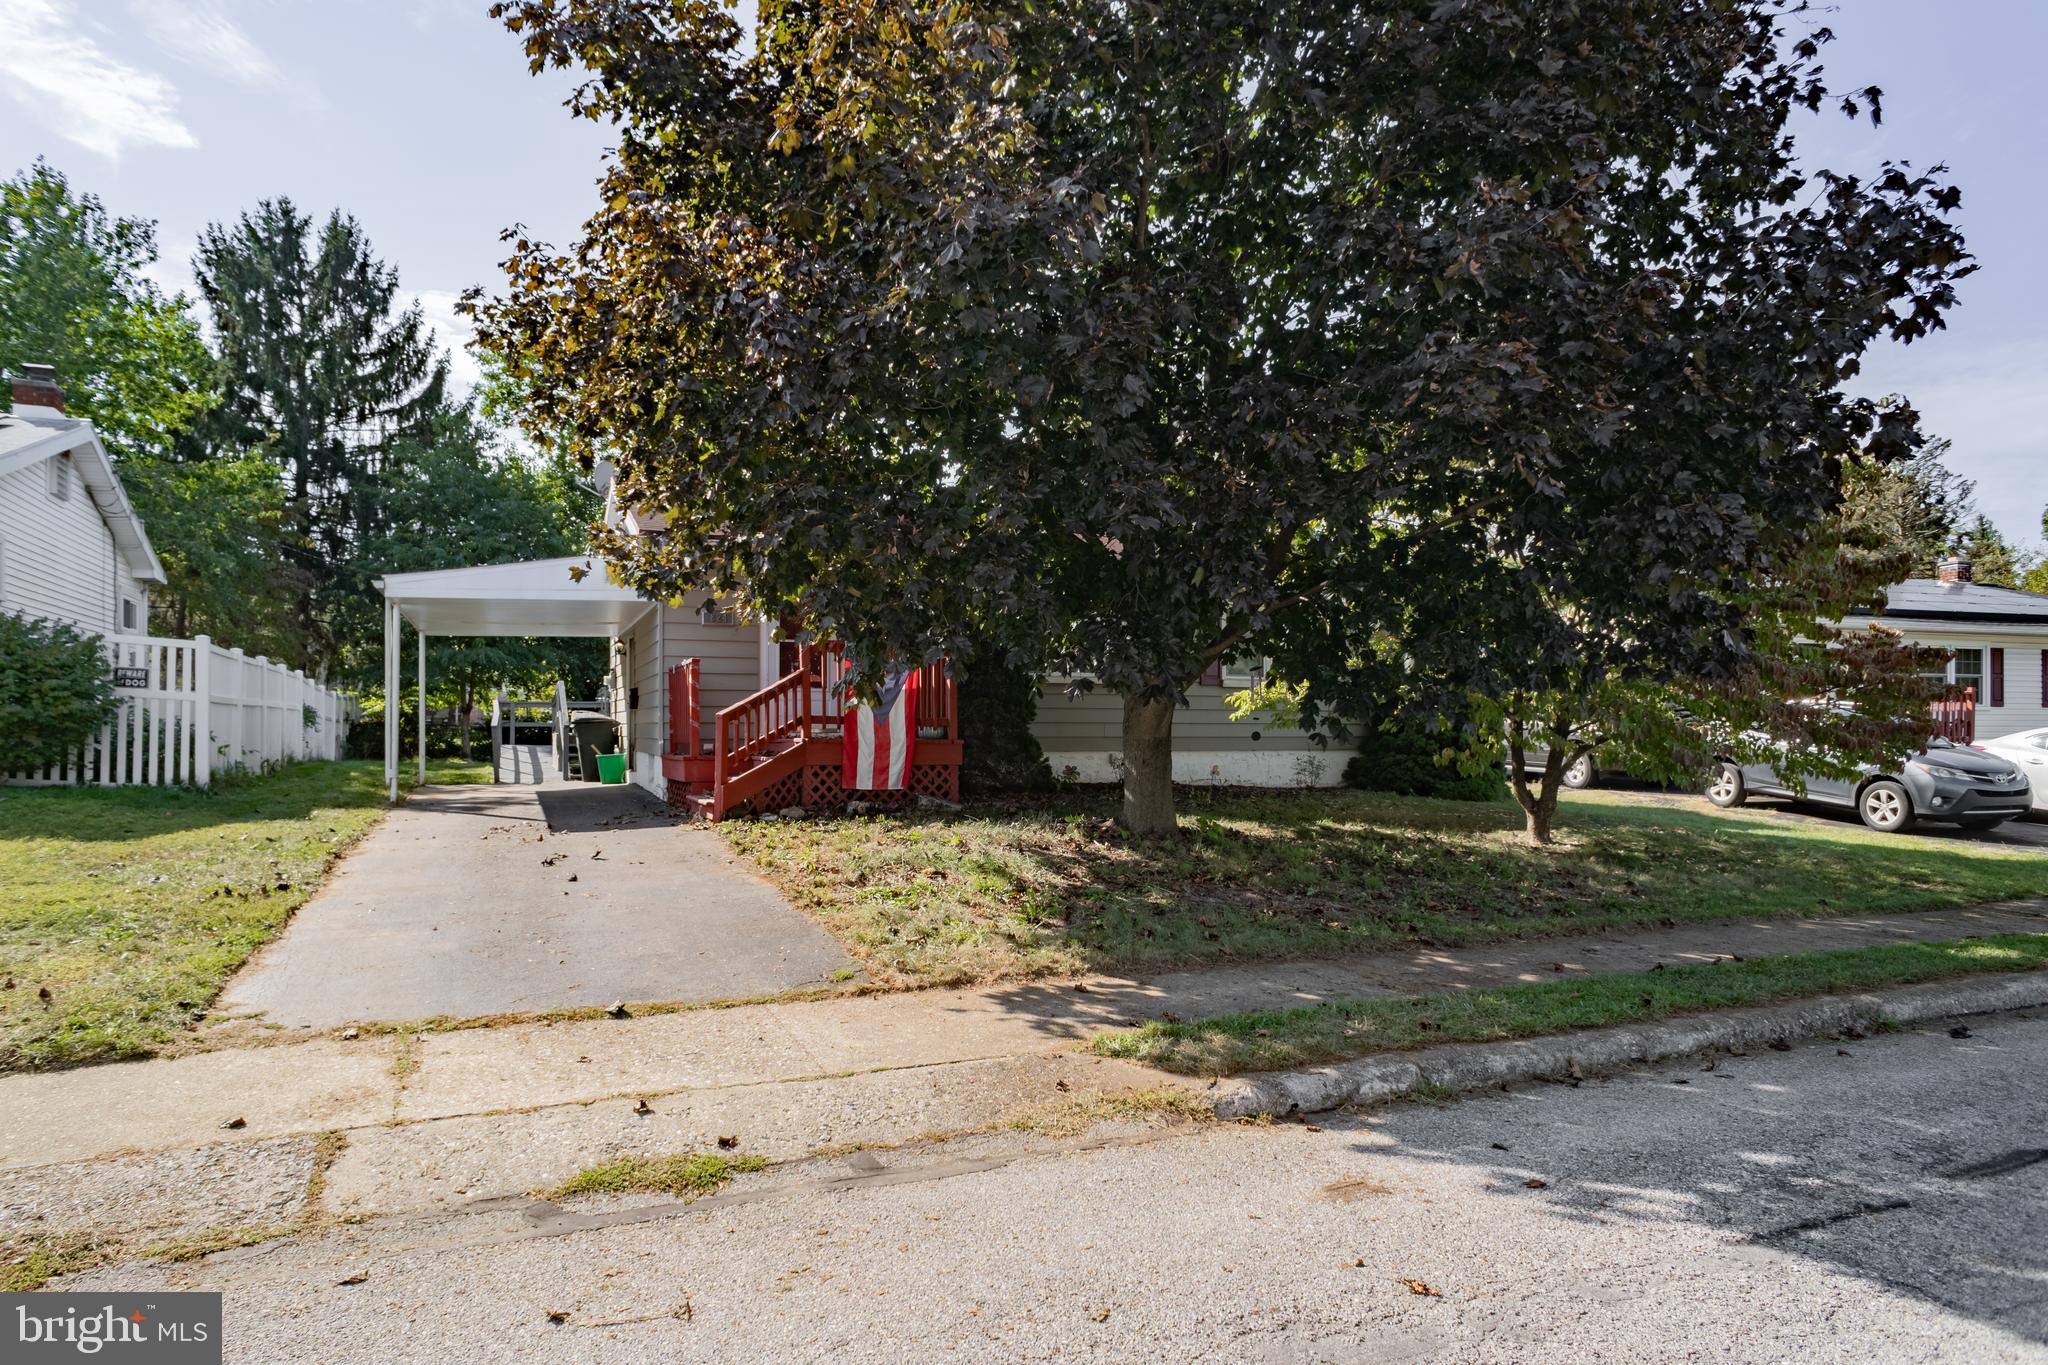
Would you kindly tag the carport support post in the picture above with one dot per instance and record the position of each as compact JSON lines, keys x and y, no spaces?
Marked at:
{"x":421,"y":651}
{"x":391,"y":676}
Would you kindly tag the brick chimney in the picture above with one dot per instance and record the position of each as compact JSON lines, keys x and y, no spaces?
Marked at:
{"x":1954,"y":569}
{"x":37,"y":387}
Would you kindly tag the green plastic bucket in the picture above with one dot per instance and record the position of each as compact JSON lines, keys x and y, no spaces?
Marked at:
{"x":611,"y":767}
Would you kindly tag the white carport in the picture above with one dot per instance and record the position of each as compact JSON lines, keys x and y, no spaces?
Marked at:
{"x":538,"y":597}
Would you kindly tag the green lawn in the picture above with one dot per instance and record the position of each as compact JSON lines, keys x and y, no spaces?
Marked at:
{"x":1272,"y":1040}
{"x":1037,"y":887}
{"x":130,"y":906}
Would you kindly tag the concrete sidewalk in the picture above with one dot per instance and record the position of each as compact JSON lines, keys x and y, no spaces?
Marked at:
{"x":324,"y":1083}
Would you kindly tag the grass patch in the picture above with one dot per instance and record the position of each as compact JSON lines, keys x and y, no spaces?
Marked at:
{"x":29,"y":1263}
{"x":689,"y":1177}
{"x":130,"y":906}
{"x":1065,"y":1118}
{"x":1035,"y":887}
{"x":1272,"y":1040}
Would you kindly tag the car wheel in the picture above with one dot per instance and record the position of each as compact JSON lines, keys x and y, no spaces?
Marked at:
{"x":1725,"y":789}
{"x":1983,"y":822}
{"x":1886,"y":807}
{"x":1581,"y":774}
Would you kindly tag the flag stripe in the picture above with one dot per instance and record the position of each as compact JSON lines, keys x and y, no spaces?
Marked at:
{"x":880,"y":740}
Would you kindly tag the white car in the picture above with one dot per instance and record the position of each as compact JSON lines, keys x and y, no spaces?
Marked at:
{"x":2029,"y":749}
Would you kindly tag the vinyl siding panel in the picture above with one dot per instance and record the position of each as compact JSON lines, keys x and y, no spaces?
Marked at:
{"x":729,"y":657}
{"x":1094,"y":721}
{"x":2025,"y":707}
{"x":57,"y":558}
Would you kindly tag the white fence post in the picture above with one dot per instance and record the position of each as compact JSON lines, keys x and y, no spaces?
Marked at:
{"x":202,"y":708}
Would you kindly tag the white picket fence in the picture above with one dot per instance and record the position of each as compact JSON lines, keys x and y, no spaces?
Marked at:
{"x":189,"y":709}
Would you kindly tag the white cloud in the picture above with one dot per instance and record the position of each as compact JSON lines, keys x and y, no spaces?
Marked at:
{"x":198,"y":32}
{"x":1989,"y":400}
{"x":454,"y":332}
{"x":82,"y":91}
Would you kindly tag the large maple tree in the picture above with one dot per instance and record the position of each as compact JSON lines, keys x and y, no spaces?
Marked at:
{"x":1131,"y":335}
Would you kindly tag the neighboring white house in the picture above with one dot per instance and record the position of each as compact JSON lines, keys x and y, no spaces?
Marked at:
{"x":1996,"y":638}
{"x":71,"y":547}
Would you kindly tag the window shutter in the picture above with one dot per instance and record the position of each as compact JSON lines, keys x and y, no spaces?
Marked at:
{"x":1997,"y":680}
{"x":1212,"y":676}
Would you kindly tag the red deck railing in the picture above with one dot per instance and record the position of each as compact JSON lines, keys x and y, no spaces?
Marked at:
{"x":1955,"y":718}
{"x":684,"y":688}
{"x":807,"y":704}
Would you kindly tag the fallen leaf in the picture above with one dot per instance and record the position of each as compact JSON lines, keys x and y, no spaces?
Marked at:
{"x":349,"y":1034}
{"x":642,"y":1107}
{"x":1062,"y":1086}
{"x":617,"y":1010}
{"x":1780,"y":1045}
{"x":1536,"y":1182}
{"x":729,"y":1141}
{"x":356,"y":1278}
{"x":558,"y":1315}
{"x":1960,"y":1031}
{"x":1500,"y":1147}
{"x":1841,"y":1052}
{"x":236,"y":1123}
{"x":1421,"y":1287}
{"x":572,"y":876}
{"x":1355,"y":1263}
{"x":1102,"y":1316}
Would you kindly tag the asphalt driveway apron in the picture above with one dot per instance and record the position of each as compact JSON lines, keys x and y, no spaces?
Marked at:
{"x":473,"y":901}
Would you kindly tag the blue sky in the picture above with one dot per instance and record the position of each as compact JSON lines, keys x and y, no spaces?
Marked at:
{"x":419,"y":117}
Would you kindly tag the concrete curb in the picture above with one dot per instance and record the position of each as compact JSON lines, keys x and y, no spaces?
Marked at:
{"x":1477,"y":1066}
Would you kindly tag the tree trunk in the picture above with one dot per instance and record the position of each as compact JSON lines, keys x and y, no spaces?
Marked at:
{"x":465,"y":703}
{"x":1148,"y":766}
{"x":1540,"y":806}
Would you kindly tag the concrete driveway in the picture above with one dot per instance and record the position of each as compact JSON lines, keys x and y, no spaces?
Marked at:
{"x":473,"y":901}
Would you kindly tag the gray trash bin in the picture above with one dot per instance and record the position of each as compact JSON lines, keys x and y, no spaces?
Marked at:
{"x":595,"y":734}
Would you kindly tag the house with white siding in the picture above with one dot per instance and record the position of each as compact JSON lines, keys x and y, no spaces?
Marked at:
{"x":72,"y":548}
{"x":1996,"y":640}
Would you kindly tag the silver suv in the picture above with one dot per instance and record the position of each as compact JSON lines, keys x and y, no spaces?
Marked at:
{"x":1944,"y":782}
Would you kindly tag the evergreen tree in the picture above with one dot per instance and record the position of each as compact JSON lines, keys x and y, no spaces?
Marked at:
{"x":320,"y":374}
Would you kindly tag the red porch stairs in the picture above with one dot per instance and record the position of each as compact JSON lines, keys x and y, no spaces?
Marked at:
{"x":784,"y":746}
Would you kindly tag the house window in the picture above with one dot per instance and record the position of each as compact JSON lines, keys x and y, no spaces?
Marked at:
{"x":59,"y":470}
{"x":1966,"y":669}
{"x":129,"y":615}
{"x":711,"y":614}
{"x":1244,"y":671}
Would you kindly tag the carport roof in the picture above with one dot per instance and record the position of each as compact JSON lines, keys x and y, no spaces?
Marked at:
{"x":533,"y":597}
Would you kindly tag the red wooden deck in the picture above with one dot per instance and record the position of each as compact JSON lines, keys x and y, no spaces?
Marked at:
{"x":783,"y":746}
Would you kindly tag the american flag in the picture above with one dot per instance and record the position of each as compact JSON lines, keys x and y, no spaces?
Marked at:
{"x":881,"y":739}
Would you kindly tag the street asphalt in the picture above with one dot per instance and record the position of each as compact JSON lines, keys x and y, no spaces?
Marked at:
{"x":1866,"y":1199}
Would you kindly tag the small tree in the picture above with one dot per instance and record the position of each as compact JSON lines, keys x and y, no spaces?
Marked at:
{"x":55,"y":692}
